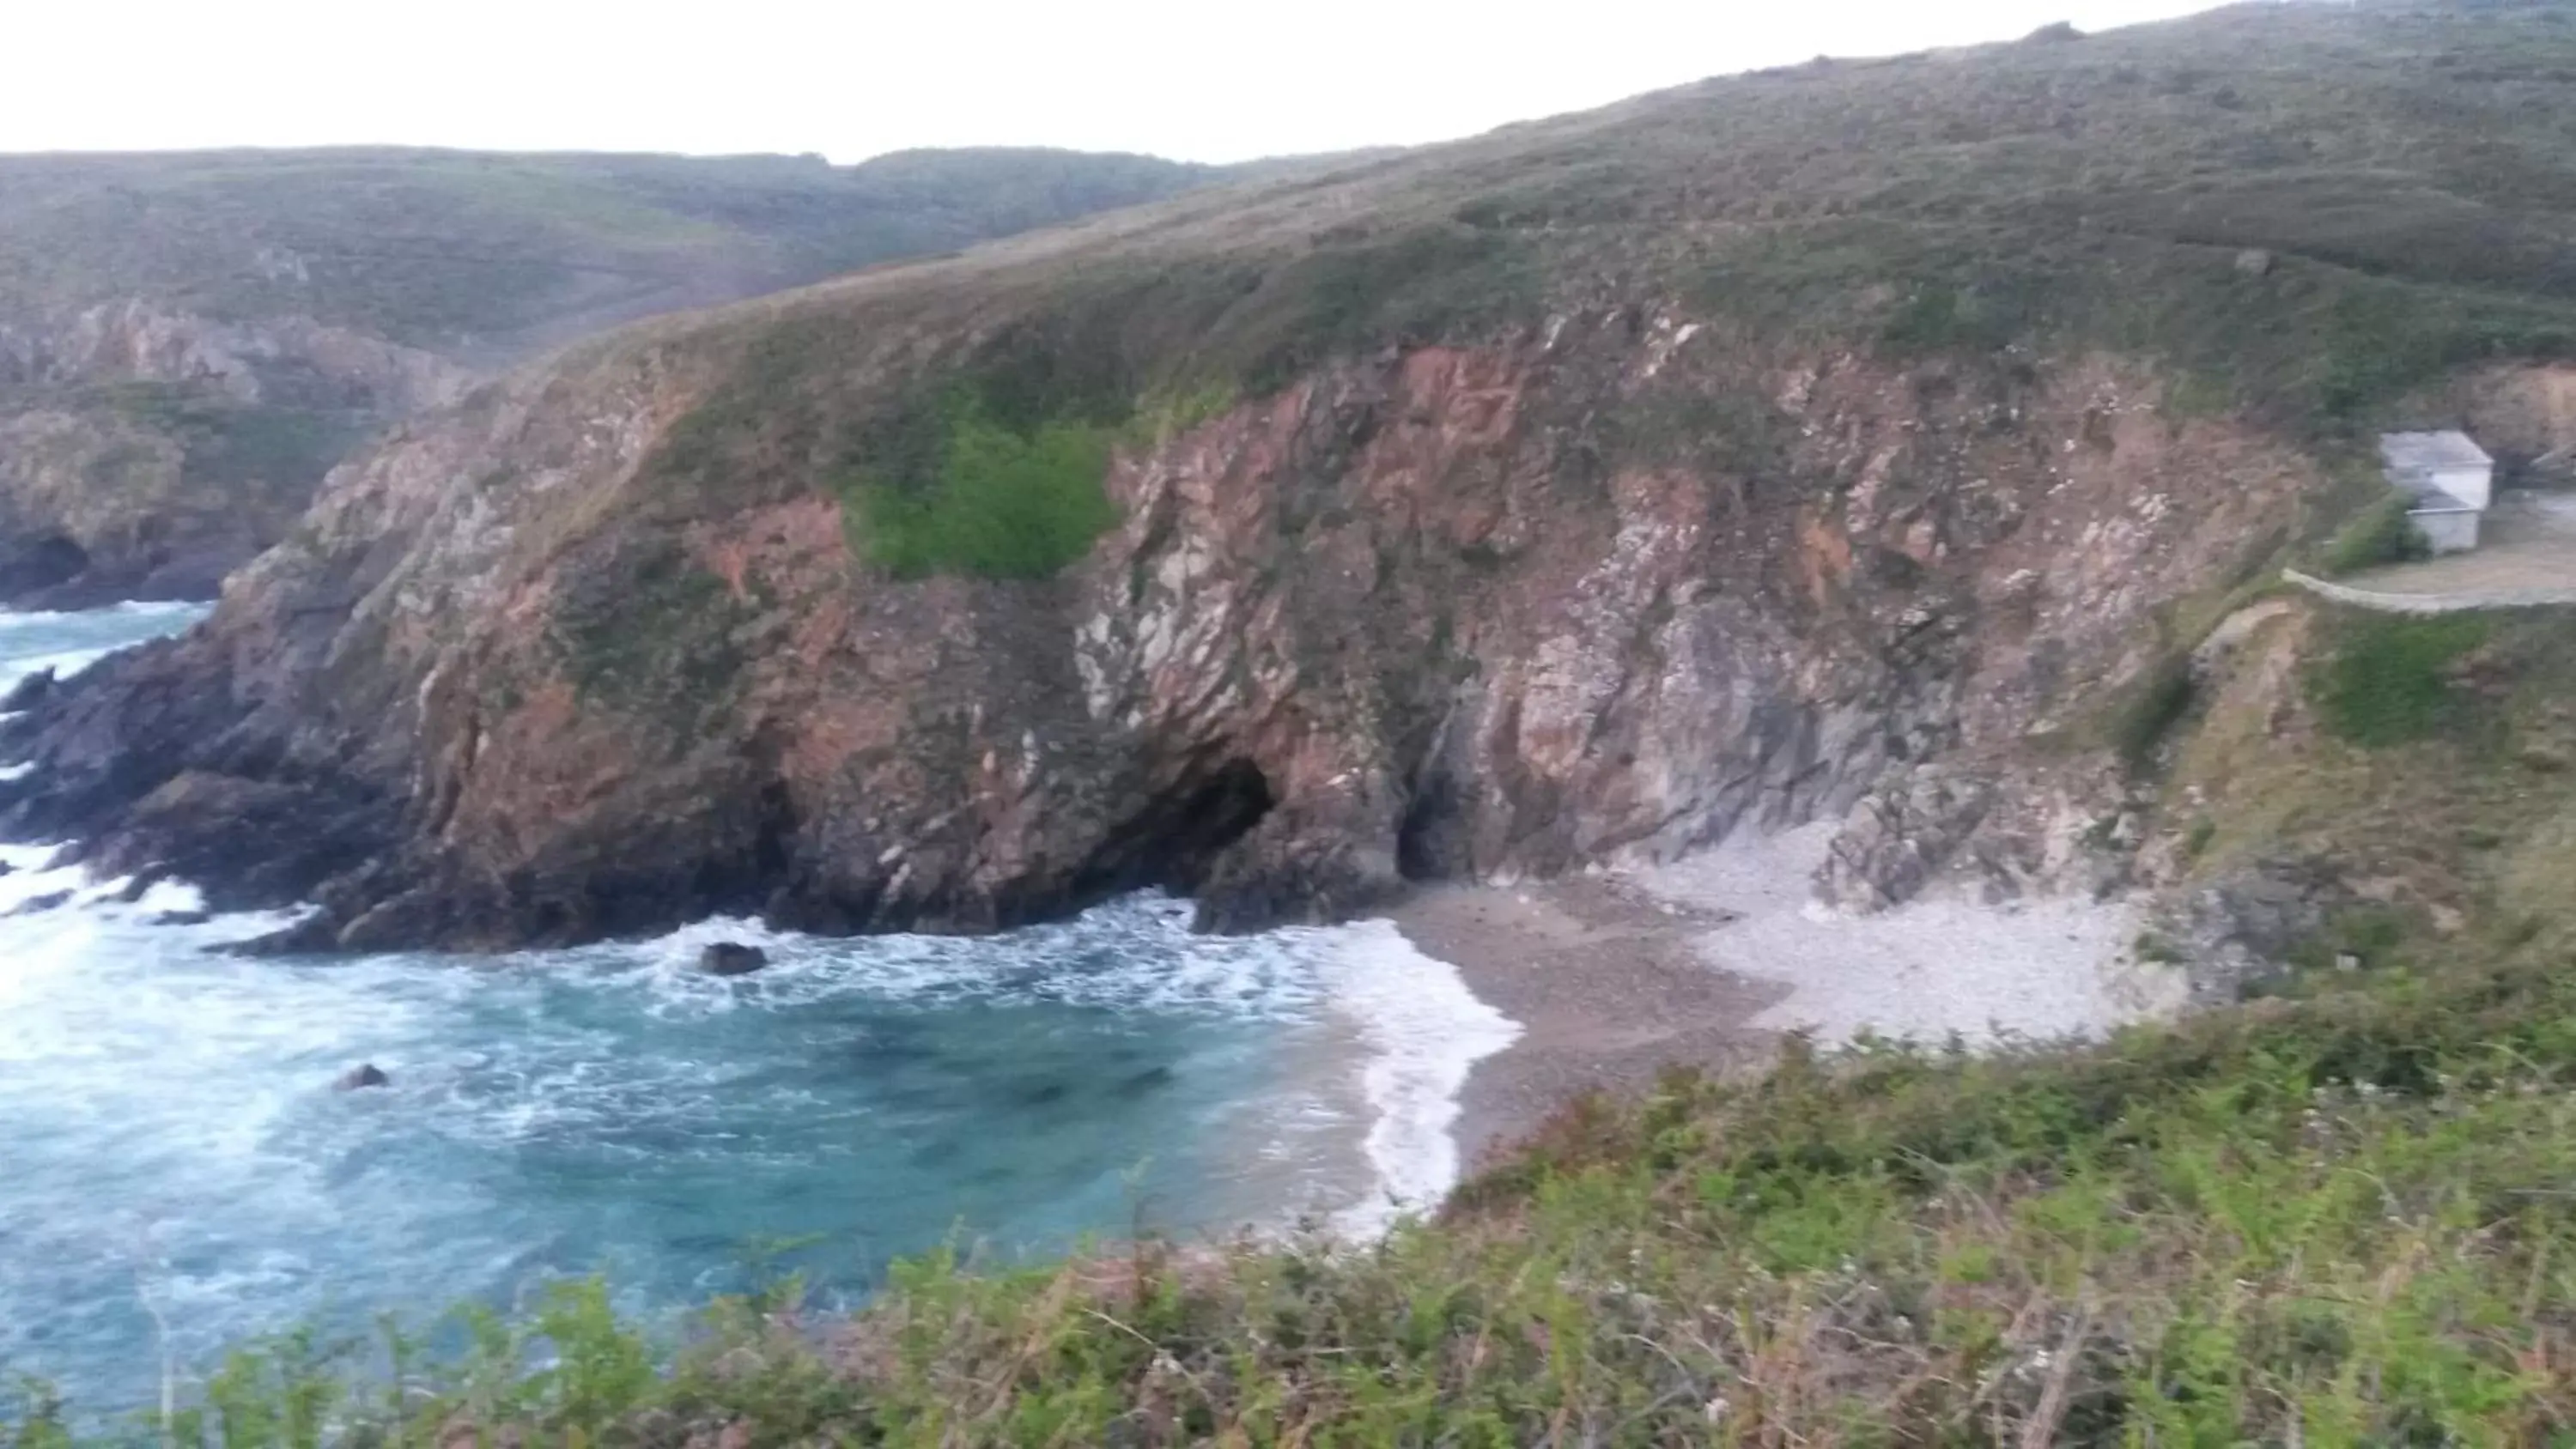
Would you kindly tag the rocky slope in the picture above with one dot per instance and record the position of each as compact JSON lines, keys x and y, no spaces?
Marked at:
{"x":1581,"y":493}
{"x":188,"y":343}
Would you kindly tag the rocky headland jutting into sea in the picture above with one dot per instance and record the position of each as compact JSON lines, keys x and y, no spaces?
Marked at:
{"x":1607,"y":486}
{"x":1884,"y":468}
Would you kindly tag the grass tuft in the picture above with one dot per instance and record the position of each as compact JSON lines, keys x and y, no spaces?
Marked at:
{"x":2388,"y":679}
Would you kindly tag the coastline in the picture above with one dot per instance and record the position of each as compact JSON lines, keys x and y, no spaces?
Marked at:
{"x":1606,"y":982}
{"x":1709,"y":961}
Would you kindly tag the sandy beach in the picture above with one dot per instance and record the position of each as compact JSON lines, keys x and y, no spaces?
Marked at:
{"x":1708,"y":961}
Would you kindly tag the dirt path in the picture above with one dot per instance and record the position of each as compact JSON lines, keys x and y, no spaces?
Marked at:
{"x":2527,"y":555}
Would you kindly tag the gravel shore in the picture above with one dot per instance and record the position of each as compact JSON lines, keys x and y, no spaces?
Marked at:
{"x":1706,"y":962}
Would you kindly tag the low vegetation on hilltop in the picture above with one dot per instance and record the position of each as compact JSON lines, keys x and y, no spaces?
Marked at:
{"x":2298,"y":215}
{"x":460,"y":250}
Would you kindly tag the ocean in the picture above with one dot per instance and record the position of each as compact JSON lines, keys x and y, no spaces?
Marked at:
{"x":178,"y":1173}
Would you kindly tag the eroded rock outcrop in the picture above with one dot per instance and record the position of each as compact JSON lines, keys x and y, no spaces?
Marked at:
{"x":146,"y":452}
{"x":1445,"y":611}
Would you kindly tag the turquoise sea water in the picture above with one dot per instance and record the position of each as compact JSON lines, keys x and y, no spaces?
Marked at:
{"x":174,"y":1153}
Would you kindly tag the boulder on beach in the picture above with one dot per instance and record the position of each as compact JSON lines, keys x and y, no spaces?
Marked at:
{"x":361,"y":1077}
{"x":731,"y":958}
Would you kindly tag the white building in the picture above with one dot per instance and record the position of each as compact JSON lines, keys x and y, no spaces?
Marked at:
{"x":2452,"y":480}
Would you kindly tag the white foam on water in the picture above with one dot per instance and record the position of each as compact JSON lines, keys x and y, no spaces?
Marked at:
{"x":1425,"y":1032}
{"x":177,"y":613}
{"x":1132,"y":954}
{"x":67,"y":644}
{"x":172,"y":1133}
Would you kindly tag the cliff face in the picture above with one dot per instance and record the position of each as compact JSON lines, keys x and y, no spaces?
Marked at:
{"x":1874,"y":443}
{"x":1420,"y":615}
{"x":146,"y":453}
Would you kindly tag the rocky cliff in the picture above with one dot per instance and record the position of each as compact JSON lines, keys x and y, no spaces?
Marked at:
{"x":1583,"y":493}
{"x":189,"y":343}
{"x":146,"y":453}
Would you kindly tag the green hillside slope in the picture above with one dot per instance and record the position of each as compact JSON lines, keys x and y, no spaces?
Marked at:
{"x":449,"y":250}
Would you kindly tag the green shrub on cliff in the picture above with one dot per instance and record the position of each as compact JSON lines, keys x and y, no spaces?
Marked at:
{"x":2379,"y":534}
{"x":995,"y":502}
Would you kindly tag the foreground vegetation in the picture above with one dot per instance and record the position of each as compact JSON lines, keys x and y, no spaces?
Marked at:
{"x":2340,"y":1216}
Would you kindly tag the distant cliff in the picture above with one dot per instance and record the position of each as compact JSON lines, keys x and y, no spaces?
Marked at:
{"x":189,"y":342}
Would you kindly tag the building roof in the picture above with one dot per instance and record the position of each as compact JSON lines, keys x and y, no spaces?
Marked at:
{"x":2420,"y":452}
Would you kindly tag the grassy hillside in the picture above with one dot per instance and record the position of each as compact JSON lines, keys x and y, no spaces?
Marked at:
{"x":447,"y":249}
{"x":2306,"y":213}
{"x":2338,"y":1214}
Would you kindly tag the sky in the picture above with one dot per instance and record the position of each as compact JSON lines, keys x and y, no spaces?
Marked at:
{"x":1199,"y":80}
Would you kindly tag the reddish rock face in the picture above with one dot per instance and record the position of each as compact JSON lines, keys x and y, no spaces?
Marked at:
{"x":1604,"y":591}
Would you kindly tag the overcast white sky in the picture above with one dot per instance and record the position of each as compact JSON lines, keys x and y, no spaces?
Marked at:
{"x":1202,"y":80}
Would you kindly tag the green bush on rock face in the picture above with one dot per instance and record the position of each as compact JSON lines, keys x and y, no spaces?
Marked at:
{"x":995,"y":502}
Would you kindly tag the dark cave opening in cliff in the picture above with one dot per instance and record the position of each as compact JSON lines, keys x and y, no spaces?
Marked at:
{"x":1431,"y":841}
{"x":1173,"y":843}
{"x":42,"y":564}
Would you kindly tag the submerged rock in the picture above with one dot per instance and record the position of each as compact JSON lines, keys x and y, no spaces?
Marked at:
{"x":1152,"y":1079}
{"x":730,"y":958}
{"x":28,"y":692}
{"x":361,"y":1077}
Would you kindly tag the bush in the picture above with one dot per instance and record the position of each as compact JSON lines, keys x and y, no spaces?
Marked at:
{"x":2379,"y":534}
{"x":998,"y":503}
{"x":2147,"y":714}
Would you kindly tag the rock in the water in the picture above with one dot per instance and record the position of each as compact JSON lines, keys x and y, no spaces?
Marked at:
{"x":2254,"y":262}
{"x":361,"y":1077}
{"x":183,"y":918}
{"x":28,"y":693}
{"x":49,"y":901}
{"x":729,"y":958}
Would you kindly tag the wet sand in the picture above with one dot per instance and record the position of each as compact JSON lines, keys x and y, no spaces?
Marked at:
{"x":1707,"y":962}
{"x":1607,"y":983}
